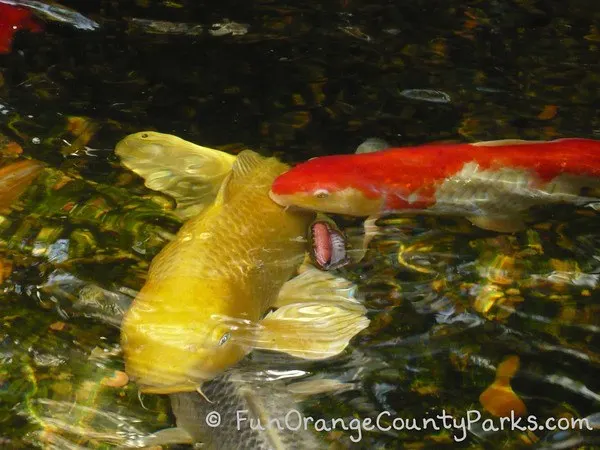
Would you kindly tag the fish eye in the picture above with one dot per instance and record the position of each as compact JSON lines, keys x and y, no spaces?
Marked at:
{"x":144,"y":136}
{"x":224,"y":338}
{"x":321,"y":193}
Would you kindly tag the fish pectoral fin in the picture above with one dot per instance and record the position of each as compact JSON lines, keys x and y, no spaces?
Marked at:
{"x":496,"y":223}
{"x":168,"y":436}
{"x":310,"y":330}
{"x":360,"y":244}
{"x":576,"y":188}
{"x":189,"y":173}
{"x":314,"y":285}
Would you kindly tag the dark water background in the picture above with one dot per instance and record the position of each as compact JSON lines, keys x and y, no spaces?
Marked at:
{"x":306,"y":79}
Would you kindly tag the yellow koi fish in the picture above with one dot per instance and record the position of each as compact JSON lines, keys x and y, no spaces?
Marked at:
{"x":209,"y":295}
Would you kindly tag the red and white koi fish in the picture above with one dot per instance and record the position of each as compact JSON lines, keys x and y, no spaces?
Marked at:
{"x":13,"y":19}
{"x":492,"y":183}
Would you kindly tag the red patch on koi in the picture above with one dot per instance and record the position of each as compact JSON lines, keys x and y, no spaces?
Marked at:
{"x":13,"y":19}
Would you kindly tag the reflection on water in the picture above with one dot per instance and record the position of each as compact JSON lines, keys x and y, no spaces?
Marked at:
{"x":450,"y":304}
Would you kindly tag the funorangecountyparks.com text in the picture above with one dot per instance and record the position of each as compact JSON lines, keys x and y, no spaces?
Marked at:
{"x":386,"y":421}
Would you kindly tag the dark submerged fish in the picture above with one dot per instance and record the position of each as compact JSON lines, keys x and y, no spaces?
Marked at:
{"x":252,"y":415}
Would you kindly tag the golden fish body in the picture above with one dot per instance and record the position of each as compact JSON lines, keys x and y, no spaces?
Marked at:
{"x":219,"y":276}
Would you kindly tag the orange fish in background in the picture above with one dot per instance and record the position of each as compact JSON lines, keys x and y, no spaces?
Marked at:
{"x":499,"y":399}
{"x":13,"y":19}
{"x":492,"y":184}
{"x":15,"y":178}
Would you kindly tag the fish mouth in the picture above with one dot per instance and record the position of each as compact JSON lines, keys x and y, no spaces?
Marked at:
{"x":327,"y":246}
{"x":157,"y":380}
{"x":148,"y":385}
{"x":282,"y":201}
{"x":286,"y":202}
{"x":279,"y":199}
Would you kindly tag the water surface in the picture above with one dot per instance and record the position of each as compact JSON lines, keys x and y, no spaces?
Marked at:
{"x":297,"y":80}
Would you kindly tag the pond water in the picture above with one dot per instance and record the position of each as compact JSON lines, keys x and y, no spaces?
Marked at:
{"x":453,"y":309}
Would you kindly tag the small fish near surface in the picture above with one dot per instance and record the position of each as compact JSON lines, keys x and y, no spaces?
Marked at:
{"x":221,"y":288}
{"x":493,"y":184}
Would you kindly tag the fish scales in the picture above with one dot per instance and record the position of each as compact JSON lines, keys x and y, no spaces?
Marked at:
{"x":230,"y":247}
{"x":500,"y":190}
{"x":229,"y":262}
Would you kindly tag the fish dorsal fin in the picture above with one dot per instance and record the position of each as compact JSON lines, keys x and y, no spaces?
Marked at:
{"x":372,"y":145}
{"x":245,"y":163}
{"x":505,"y":142}
{"x":189,"y":173}
{"x":242,"y":168}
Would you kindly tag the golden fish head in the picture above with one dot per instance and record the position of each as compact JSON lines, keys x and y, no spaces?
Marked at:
{"x":176,"y":346}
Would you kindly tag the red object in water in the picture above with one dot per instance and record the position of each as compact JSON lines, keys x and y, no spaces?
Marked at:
{"x":322,"y":244}
{"x":13,"y":19}
{"x":493,"y":183}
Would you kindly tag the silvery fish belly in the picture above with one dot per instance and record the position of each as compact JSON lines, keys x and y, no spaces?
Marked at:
{"x":213,"y":283}
{"x":498,"y":199}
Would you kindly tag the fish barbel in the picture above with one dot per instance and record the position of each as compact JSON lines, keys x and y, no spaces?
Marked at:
{"x":491,"y":183}
{"x":206,"y":298}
